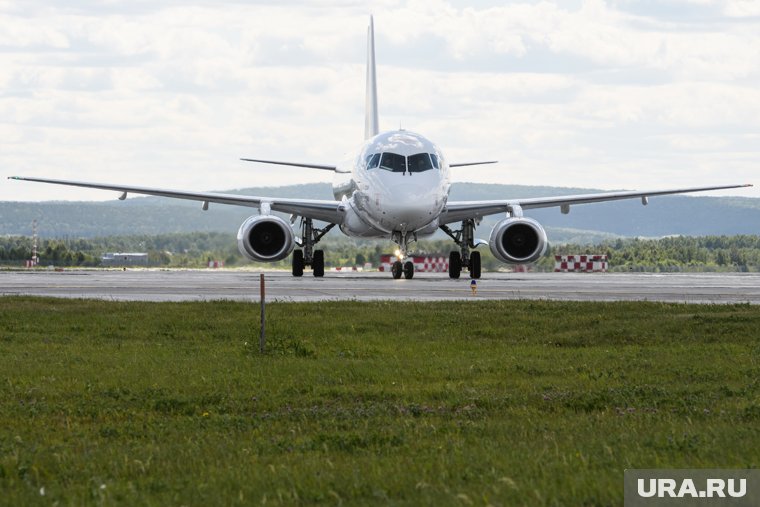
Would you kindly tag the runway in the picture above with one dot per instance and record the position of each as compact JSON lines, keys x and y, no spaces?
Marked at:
{"x":208,"y":285}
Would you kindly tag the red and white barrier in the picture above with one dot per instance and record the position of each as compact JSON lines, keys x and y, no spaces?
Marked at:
{"x":422,"y":264}
{"x":580,"y":263}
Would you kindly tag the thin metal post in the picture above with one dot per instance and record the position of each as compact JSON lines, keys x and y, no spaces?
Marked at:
{"x":35,"y":260}
{"x":262,"y":336}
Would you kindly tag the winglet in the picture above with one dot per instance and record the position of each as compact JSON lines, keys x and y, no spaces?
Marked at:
{"x":371,"y":122}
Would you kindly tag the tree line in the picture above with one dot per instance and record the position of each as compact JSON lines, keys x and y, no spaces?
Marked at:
{"x":678,"y":253}
{"x":681,"y":253}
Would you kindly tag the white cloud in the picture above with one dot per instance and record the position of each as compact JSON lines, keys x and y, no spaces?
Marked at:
{"x":169,"y":93}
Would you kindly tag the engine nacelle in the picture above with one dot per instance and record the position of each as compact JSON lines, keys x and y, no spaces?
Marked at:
{"x":265,"y":238}
{"x":518,"y":240}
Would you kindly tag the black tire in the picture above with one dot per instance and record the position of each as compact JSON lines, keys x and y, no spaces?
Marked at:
{"x":455,"y":265}
{"x":396,"y":270}
{"x":298,"y":263}
{"x":318,"y":263}
{"x":408,"y":270}
{"x":475,"y":265}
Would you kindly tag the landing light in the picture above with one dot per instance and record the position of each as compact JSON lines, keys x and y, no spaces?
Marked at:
{"x":398,"y":255}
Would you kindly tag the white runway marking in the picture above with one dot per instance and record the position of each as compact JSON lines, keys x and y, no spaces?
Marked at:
{"x":207,"y":285}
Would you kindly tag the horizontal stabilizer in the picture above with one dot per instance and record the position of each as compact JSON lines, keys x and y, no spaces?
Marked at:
{"x":462,"y":164}
{"x":294,"y":164}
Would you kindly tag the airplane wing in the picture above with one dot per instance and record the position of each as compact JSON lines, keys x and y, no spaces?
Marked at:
{"x":326,"y":211}
{"x":456,"y":211}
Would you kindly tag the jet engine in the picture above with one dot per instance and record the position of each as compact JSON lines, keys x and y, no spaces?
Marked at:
{"x":265,"y":238}
{"x":518,"y":240}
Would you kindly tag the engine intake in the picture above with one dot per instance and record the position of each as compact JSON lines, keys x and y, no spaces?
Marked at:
{"x":518,"y":240}
{"x":265,"y":238}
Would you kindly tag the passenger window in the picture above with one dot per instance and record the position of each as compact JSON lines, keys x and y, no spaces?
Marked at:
{"x":434,"y":158}
{"x":393,"y":162}
{"x":373,"y":161}
{"x":419,"y":163}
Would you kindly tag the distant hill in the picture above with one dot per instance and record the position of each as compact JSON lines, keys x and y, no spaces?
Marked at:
{"x":684,"y":215}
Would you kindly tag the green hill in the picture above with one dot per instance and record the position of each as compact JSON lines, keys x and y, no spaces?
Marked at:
{"x":676,"y":215}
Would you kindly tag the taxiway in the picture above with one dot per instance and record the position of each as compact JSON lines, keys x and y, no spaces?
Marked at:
{"x":208,"y":285}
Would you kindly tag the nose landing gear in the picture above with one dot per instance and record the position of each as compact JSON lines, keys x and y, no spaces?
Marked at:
{"x":407,"y":269}
{"x":402,"y":239}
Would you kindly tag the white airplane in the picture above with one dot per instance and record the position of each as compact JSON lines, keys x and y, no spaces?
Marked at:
{"x":396,"y":187}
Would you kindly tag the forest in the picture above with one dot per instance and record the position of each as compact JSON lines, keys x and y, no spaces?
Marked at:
{"x":193,"y":250}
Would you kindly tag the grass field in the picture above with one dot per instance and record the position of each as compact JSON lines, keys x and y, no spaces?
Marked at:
{"x":502,"y":403}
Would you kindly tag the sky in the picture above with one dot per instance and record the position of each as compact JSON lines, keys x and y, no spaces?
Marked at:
{"x":622,"y":94}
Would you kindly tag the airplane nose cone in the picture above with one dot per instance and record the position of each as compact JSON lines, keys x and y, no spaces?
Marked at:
{"x":411,"y":206}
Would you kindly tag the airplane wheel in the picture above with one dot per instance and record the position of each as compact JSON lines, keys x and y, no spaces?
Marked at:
{"x":408,"y":270}
{"x":396,"y":270}
{"x":318,"y":263}
{"x":298,"y":263}
{"x":455,"y":265}
{"x":475,"y":265}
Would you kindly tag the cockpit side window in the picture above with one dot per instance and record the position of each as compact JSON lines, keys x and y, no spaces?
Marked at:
{"x":419,"y":162}
{"x":393,"y":162}
{"x":434,"y":158}
{"x":373,"y":161}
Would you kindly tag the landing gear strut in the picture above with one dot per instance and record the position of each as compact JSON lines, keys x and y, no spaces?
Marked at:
{"x":463,"y":258}
{"x":310,"y":236}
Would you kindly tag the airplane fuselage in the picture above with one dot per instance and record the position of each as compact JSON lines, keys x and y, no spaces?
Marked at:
{"x":398,"y":184}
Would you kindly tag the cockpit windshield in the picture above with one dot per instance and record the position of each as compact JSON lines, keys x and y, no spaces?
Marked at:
{"x":419,"y":163}
{"x":396,"y":163}
{"x":393,"y":162}
{"x":373,"y":161}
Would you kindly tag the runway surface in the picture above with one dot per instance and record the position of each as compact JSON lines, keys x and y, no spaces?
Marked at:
{"x":207,"y":285}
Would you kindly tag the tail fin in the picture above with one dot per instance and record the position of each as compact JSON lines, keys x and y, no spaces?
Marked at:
{"x":371,"y":127}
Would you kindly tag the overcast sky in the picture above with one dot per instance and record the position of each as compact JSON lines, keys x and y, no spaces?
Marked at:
{"x":622,"y":94}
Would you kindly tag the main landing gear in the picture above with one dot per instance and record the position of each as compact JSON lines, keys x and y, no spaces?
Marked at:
{"x":463,"y":259}
{"x":310,"y":236}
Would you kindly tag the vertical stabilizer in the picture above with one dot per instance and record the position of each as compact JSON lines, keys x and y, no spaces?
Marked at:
{"x":371,"y":128}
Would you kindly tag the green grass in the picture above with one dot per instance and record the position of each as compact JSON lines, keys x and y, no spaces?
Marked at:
{"x":502,"y":403}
